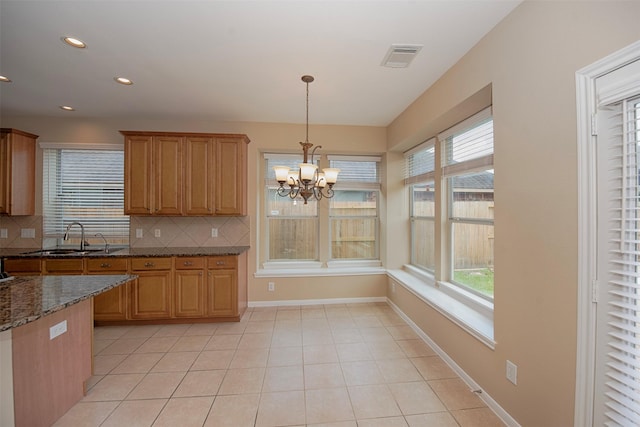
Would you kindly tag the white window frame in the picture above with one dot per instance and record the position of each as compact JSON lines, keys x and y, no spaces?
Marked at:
{"x":324,"y":266}
{"x":470,"y":311}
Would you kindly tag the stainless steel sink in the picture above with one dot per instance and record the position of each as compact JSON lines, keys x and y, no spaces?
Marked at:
{"x":63,"y":251}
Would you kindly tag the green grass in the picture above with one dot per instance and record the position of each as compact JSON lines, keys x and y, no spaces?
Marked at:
{"x":480,"y":280}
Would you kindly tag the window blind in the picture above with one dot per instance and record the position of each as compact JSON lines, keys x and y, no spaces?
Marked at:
{"x":419,"y":164}
{"x":357,"y":169}
{"x":468,"y":145}
{"x":622,"y":364}
{"x":86,"y":186}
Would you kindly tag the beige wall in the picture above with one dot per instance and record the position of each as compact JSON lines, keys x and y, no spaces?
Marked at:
{"x":530,"y":60}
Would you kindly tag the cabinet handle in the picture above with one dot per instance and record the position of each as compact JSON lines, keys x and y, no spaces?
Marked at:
{"x":187,"y":263}
{"x":149,"y":264}
{"x":219,"y":262}
{"x":200,"y":273}
{"x":105,"y":265}
{"x":209,"y":274}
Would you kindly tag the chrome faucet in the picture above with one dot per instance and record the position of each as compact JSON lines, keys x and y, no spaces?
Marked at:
{"x":82,"y":241}
{"x":106,"y":245}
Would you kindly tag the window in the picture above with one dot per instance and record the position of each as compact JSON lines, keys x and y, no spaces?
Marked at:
{"x":458,"y":213}
{"x":420,"y":176}
{"x":467,"y":168}
{"x":292,"y":226}
{"x":346,"y":231}
{"x":85,"y":186}
{"x":353,"y":210}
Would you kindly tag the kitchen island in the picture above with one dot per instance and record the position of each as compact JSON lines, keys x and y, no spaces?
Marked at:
{"x":46,"y":329}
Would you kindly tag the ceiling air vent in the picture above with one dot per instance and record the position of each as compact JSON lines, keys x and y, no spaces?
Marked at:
{"x":400,"y":55}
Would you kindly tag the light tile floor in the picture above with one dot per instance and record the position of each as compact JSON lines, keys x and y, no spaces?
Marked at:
{"x":351,"y":365}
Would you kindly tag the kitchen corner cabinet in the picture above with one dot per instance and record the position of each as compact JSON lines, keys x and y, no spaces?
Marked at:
{"x":197,"y":174}
{"x":17,"y":172}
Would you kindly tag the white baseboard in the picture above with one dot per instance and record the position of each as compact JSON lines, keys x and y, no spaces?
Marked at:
{"x":316,"y":301}
{"x":492,"y":404}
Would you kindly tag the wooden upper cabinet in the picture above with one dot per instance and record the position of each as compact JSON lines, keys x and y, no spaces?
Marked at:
{"x":17,"y":172}
{"x":167,"y":172}
{"x":231,"y":176}
{"x":137,"y":174}
{"x":199,"y":155}
{"x":198,"y":174}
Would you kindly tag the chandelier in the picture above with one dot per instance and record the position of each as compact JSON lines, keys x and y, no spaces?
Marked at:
{"x":306,"y":181}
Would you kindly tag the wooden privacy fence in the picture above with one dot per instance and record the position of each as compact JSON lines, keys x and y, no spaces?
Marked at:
{"x":355,"y":237}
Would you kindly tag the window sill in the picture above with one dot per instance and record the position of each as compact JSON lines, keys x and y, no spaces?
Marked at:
{"x":472,"y":313}
{"x":316,"y":268}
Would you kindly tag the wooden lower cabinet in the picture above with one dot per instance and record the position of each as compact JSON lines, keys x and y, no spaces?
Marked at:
{"x":189,"y":300}
{"x":110,"y":305}
{"x":23,"y":266}
{"x":222,"y":293}
{"x":150,"y":293}
{"x":167,"y":290}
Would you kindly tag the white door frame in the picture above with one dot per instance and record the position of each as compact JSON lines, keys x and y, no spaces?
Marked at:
{"x":587,"y":227}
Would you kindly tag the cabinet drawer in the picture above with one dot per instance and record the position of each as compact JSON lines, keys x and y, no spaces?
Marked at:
{"x":223,"y":262}
{"x":142,"y":264}
{"x":22,"y":265}
{"x":190,"y":263}
{"x":64,"y":266}
{"x":106,"y":264}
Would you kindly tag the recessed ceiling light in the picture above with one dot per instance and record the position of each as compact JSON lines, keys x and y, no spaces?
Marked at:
{"x":5,"y":79}
{"x":123,"y":80}
{"x":67,"y":108}
{"x":72,"y":41}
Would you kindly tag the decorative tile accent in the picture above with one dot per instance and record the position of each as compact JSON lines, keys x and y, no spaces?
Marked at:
{"x":14,"y":226}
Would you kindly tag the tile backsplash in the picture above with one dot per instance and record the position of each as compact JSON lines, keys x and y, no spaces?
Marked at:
{"x":171,"y":231}
{"x":20,"y":231}
{"x":188,"y":231}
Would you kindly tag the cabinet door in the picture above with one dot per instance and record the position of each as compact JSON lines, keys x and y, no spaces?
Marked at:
{"x":4,"y":173}
{"x":150,"y":295}
{"x":18,"y":180}
{"x":189,"y":293}
{"x":199,"y":176}
{"x":222,"y":293}
{"x":110,"y":305}
{"x":231,"y":180}
{"x":167,"y":169}
{"x":137,"y":175}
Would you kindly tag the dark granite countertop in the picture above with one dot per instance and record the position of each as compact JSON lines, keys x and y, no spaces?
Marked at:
{"x":28,"y":298}
{"x":132,"y":252}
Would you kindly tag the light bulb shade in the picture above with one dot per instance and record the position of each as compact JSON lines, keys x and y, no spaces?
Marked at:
{"x":307,"y":171}
{"x":331,"y":175}
{"x":322,"y":181}
{"x":292,"y":178}
{"x":281,"y":173}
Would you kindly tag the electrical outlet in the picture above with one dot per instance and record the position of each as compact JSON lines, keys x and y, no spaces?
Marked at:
{"x":4,"y":233}
{"x":28,"y":233}
{"x":57,"y":330}
{"x":139,"y":233}
{"x":512,"y":372}
{"x":214,"y":232}
{"x":272,"y":286}
{"x":156,"y":232}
